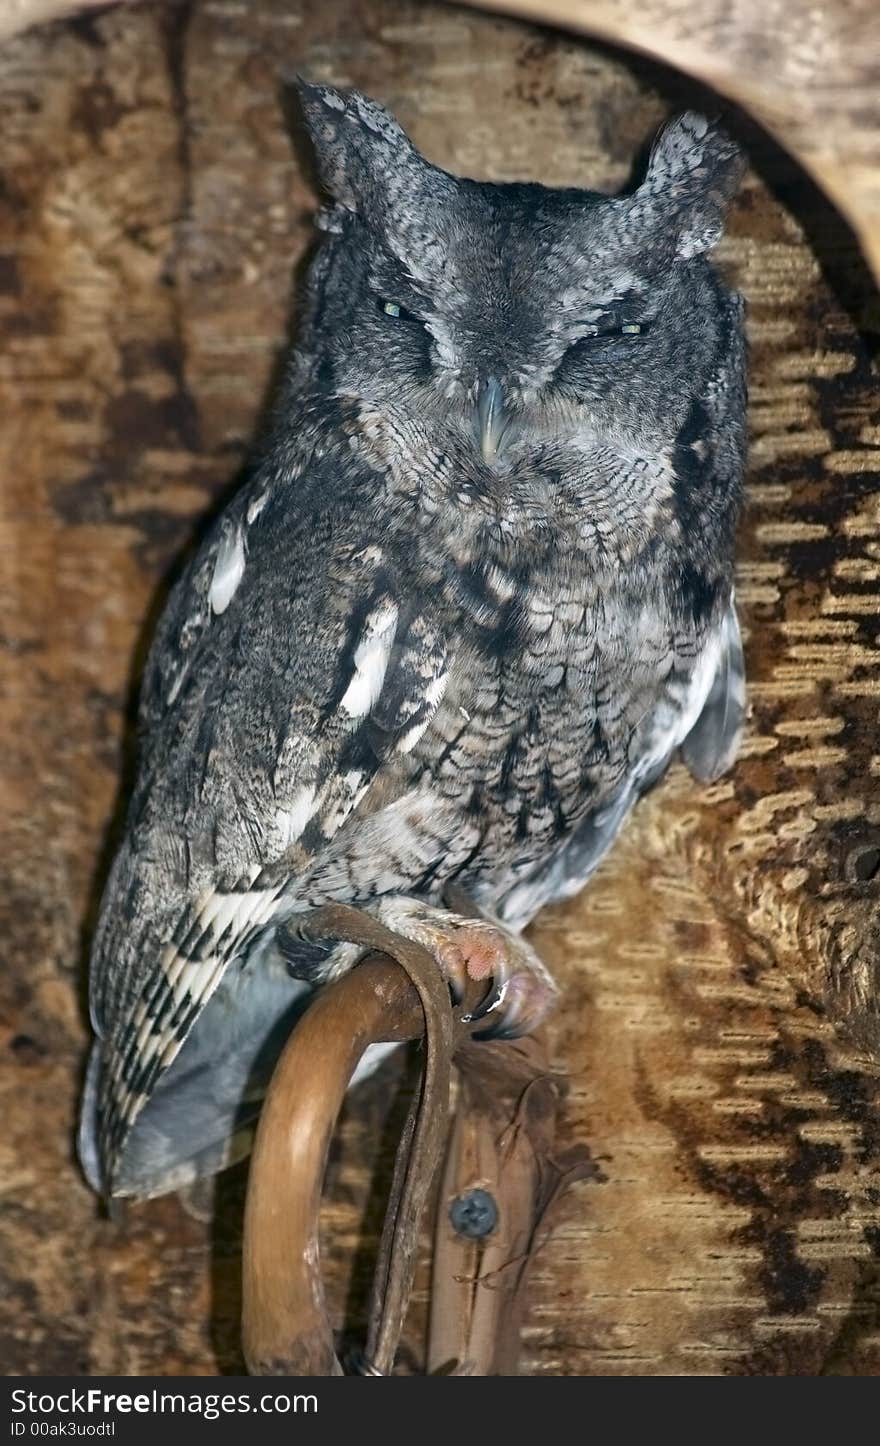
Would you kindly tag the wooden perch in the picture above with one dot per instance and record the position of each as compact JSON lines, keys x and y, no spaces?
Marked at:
{"x":502,"y":1151}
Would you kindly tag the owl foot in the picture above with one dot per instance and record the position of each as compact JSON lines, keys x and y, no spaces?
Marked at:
{"x":519,"y":990}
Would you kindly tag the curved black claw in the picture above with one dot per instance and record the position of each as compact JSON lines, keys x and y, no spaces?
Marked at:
{"x":305,"y":956}
{"x":456,"y":994}
{"x":493,"y":999}
{"x":514,"y":1006}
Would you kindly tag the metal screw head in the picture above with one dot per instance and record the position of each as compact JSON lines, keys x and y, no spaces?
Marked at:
{"x":474,"y":1214}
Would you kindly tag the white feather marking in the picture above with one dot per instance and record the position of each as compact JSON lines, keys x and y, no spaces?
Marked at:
{"x":173,"y":964}
{"x":411,"y":738}
{"x":255,"y":507}
{"x":228,"y":572}
{"x":215,"y":910}
{"x":180,"y":984}
{"x":444,"y":343}
{"x":175,"y":687}
{"x":675,"y":719}
{"x":371,"y":661}
{"x":291,"y":821}
{"x":701,"y":682}
{"x":498,"y":580}
{"x":266,"y":905}
{"x":195,"y":980}
{"x":143,"y":1035}
{"x":266,"y":910}
{"x":351,"y":789}
{"x":144,"y":1024}
{"x":435,"y":690}
{"x":170,"y":1053}
{"x":207,"y":906}
{"x":236,"y":909}
{"x":433,"y":694}
{"x":199,"y":978}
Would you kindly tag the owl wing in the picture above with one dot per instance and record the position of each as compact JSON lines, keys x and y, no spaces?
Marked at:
{"x":712,"y":744}
{"x":283,"y":710}
{"x":704,"y":718}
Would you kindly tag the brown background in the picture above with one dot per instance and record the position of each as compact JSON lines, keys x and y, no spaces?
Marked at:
{"x":720,"y":1023}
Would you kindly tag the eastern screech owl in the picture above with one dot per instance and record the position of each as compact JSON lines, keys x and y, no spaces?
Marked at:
{"x":474,"y":596}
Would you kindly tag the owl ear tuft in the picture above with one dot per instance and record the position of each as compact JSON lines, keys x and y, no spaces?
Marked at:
{"x":363,"y":154}
{"x":693,"y":172}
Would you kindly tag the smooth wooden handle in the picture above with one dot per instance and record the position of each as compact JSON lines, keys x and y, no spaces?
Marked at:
{"x":285,"y":1329}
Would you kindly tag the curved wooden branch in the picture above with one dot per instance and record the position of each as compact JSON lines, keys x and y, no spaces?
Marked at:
{"x":284,"y":1323}
{"x":396,"y":996}
{"x":806,"y":72}
{"x":502,"y":1144}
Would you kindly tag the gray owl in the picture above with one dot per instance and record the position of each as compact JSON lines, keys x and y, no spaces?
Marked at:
{"x":474,"y":596}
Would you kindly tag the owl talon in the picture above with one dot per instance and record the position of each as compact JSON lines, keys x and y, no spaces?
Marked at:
{"x":517,"y":1005}
{"x":453,"y":965}
{"x":492,"y":1000}
{"x":519,"y":991}
{"x":456,"y":992}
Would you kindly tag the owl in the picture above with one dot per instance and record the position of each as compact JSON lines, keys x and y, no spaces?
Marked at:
{"x":474,"y":595}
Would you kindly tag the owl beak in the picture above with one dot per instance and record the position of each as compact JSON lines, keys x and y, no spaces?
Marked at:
{"x":492,"y":418}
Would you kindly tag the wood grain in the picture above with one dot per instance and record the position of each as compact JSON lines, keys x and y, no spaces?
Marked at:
{"x":720,"y":1026}
{"x":809,"y":73}
{"x":17,"y":16}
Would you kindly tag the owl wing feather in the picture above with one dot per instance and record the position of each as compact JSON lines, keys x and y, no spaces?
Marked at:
{"x":712,"y":744}
{"x":269,"y":741}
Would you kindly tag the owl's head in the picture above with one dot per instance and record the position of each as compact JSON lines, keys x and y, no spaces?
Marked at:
{"x":506,"y":315}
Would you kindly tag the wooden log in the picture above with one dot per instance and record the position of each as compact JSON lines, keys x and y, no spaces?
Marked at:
{"x":806,"y":72}
{"x":17,"y":16}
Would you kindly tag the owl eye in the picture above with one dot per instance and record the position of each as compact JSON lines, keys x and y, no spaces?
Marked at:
{"x":624,"y":328}
{"x":397,"y":312}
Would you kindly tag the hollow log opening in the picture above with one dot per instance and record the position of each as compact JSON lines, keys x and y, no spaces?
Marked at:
{"x":721,"y":972}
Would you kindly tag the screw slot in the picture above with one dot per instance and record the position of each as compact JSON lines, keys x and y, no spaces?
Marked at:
{"x":474,"y":1214}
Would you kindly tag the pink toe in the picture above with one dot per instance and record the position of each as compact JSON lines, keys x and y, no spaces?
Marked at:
{"x":485,"y":955}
